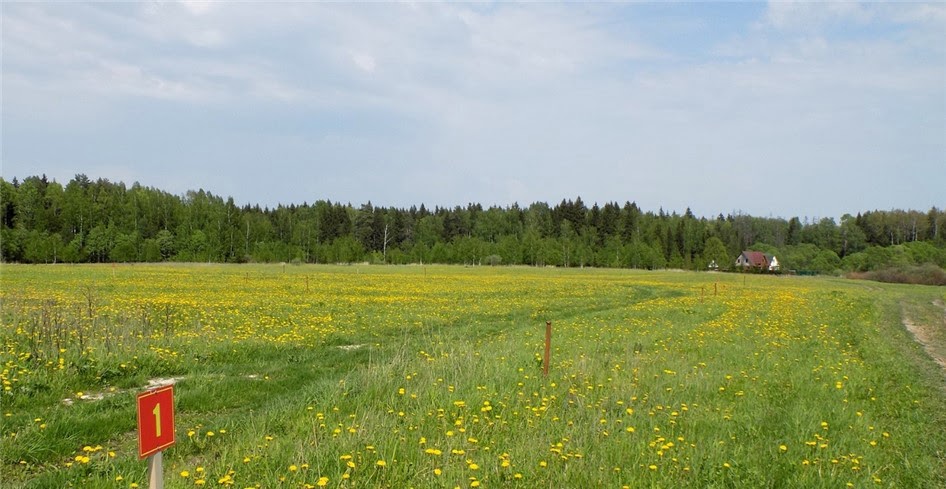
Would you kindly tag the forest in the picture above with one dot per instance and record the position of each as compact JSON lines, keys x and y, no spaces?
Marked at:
{"x":42,"y":221}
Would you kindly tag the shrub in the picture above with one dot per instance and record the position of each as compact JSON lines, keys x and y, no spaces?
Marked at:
{"x":927,"y":274}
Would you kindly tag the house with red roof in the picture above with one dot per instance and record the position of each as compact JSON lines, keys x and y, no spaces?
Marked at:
{"x":757,"y":260}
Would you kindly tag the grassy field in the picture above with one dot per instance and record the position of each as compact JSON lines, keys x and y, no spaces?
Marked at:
{"x":360,"y":376}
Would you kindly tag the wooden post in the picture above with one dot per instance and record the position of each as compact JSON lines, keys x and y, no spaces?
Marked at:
{"x":156,"y":471}
{"x":548,"y":348}
{"x":716,"y":288}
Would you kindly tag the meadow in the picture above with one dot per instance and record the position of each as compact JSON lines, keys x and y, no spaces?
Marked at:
{"x":431,"y":377}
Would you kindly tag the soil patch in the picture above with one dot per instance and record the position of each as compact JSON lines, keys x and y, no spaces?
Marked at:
{"x":924,"y":335}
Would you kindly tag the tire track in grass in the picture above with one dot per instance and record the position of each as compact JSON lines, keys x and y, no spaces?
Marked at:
{"x":930,"y":335}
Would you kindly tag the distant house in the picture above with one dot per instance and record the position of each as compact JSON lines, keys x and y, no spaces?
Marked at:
{"x":758,"y":261}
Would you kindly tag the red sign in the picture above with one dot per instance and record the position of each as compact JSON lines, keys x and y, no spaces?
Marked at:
{"x":155,"y":420}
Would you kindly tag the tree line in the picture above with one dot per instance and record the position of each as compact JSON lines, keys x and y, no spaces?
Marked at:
{"x":42,"y":221}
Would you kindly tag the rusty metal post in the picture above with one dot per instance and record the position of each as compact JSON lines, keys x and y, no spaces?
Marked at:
{"x":548,"y":348}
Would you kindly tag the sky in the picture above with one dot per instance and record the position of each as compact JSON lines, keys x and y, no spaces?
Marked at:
{"x":775,"y":110}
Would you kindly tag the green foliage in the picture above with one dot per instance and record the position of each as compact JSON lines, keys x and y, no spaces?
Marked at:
{"x":764,"y":248}
{"x":715,"y":251}
{"x":923,"y":252}
{"x":100,"y":221}
{"x":809,"y":258}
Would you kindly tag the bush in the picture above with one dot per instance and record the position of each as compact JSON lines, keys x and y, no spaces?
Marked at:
{"x":927,"y":274}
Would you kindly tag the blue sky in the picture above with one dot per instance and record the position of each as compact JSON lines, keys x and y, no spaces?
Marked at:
{"x":781,"y":109}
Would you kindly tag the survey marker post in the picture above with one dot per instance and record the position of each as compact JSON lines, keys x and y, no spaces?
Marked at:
{"x":155,"y":430}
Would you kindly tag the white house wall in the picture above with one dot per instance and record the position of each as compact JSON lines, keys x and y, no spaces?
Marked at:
{"x":773,"y":265}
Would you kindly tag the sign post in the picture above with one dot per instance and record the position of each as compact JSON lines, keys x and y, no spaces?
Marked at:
{"x":156,"y":471}
{"x":155,"y":430}
{"x":548,"y":348}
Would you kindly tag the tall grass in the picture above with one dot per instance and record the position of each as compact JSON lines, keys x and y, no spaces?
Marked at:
{"x":432,"y":377}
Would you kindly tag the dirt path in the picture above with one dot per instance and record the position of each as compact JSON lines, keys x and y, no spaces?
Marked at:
{"x":926,"y":333}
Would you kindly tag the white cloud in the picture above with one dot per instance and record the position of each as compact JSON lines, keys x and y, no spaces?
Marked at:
{"x":922,"y":13}
{"x":532,"y":102}
{"x":207,"y":38}
{"x":198,"y":7}
{"x":363,"y":61}
{"x":806,"y":15}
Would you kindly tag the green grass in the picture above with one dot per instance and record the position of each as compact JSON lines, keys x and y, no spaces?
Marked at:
{"x":774,"y":382}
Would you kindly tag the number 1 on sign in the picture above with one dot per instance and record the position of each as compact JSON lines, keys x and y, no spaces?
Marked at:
{"x":157,"y":420}
{"x":156,"y":406}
